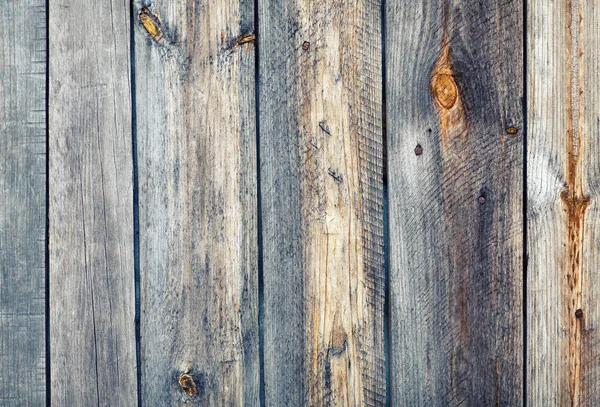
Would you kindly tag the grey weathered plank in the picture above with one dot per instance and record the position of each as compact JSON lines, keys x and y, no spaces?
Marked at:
{"x":22,"y":203}
{"x":563,"y":215}
{"x":196,"y":140}
{"x":92,"y":296}
{"x":454,"y":87}
{"x":321,"y":151}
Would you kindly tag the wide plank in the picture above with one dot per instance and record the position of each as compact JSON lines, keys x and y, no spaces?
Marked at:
{"x":455,"y":135}
{"x":563,"y":214}
{"x":22,"y":203}
{"x":92,"y":285}
{"x":321,"y":171}
{"x":196,"y":146}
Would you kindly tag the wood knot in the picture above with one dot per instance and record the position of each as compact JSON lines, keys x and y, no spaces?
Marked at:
{"x":186,"y":382}
{"x":245,"y":39}
{"x":444,"y":90}
{"x":150,"y":23}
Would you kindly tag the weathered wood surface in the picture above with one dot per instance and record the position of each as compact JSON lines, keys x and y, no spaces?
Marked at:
{"x":455,"y":97}
{"x":196,"y":137}
{"x":321,"y":150}
{"x":454,"y":88}
{"x":563,"y":367}
{"x":92,"y":298}
{"x":22,"y":203}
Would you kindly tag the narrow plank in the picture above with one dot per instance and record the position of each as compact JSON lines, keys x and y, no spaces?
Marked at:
{"x":196,"y":136}
{"x":92,"y":286}
{"x":455,"y":149}
{"x":563,"y":212}
{"x":321,"y":151}
{"x":22,"y":203}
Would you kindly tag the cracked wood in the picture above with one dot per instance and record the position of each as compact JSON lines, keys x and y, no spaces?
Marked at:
{"x":92,"y":293}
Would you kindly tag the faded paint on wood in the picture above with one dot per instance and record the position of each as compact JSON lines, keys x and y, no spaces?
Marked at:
{"x":563,"y":216}
{"x":455,"y":151}
{"x":321,"y":151}
{"x":196,"y":142}
{"x":92,"y":297}
{"x":22,"y":203}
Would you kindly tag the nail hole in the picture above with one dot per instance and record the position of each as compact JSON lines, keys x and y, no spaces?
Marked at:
{"x":305,"y":45}
{"x":418,"y":149}
{"x":578,"y":313}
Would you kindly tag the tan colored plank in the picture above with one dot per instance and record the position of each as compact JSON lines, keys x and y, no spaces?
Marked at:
{"x":198,"y":207}
{"x":322,"y":202}
{"x":563,"y":217}
{"x":455,"y":148}
{"x":22,"y":203}
{"x":92,"y":296}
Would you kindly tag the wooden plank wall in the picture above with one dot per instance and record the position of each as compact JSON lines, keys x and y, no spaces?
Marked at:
{"x":455,"y":151}
{"x":299,"y":202}
{"x":196,"y":141}
{"x":563,"y":215}
{"x":92,"y":286}
{"x":321,"y":147}
{"x":22,"y":185}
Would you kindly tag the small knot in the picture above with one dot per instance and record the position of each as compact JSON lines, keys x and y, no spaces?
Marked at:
{"x":186,"y":382}
{"x":150,"y":23}
{"x":245,"y":39}
{"x":444,"y":90}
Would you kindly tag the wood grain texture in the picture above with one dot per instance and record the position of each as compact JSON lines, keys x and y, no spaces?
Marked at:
{"x":92,"y":295}
{"x":321,"y":151}
{"x":454,"y":88}
{"x":563,"y":216}
{"x":22,"y":203}
{"x":196,"y":136}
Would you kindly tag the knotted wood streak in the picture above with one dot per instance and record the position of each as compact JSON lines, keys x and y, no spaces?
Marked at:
{"x":446,"y":93}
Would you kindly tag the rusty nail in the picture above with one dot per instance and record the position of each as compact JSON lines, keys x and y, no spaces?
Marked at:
{"x":481,"y":199}
{"x":578,"y":313}
{"x":512,"y":130}
{"x":418,"y":149}
{"x":305,"y":45}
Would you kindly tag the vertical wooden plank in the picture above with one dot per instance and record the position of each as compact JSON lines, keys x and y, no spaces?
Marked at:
{"x":322,"y":202}
{"x":22,"y":202}
{"x":195,"y":94}
{"x":92,"y":296}
{"x":455,"y":148}
{"x":563,"y":213}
